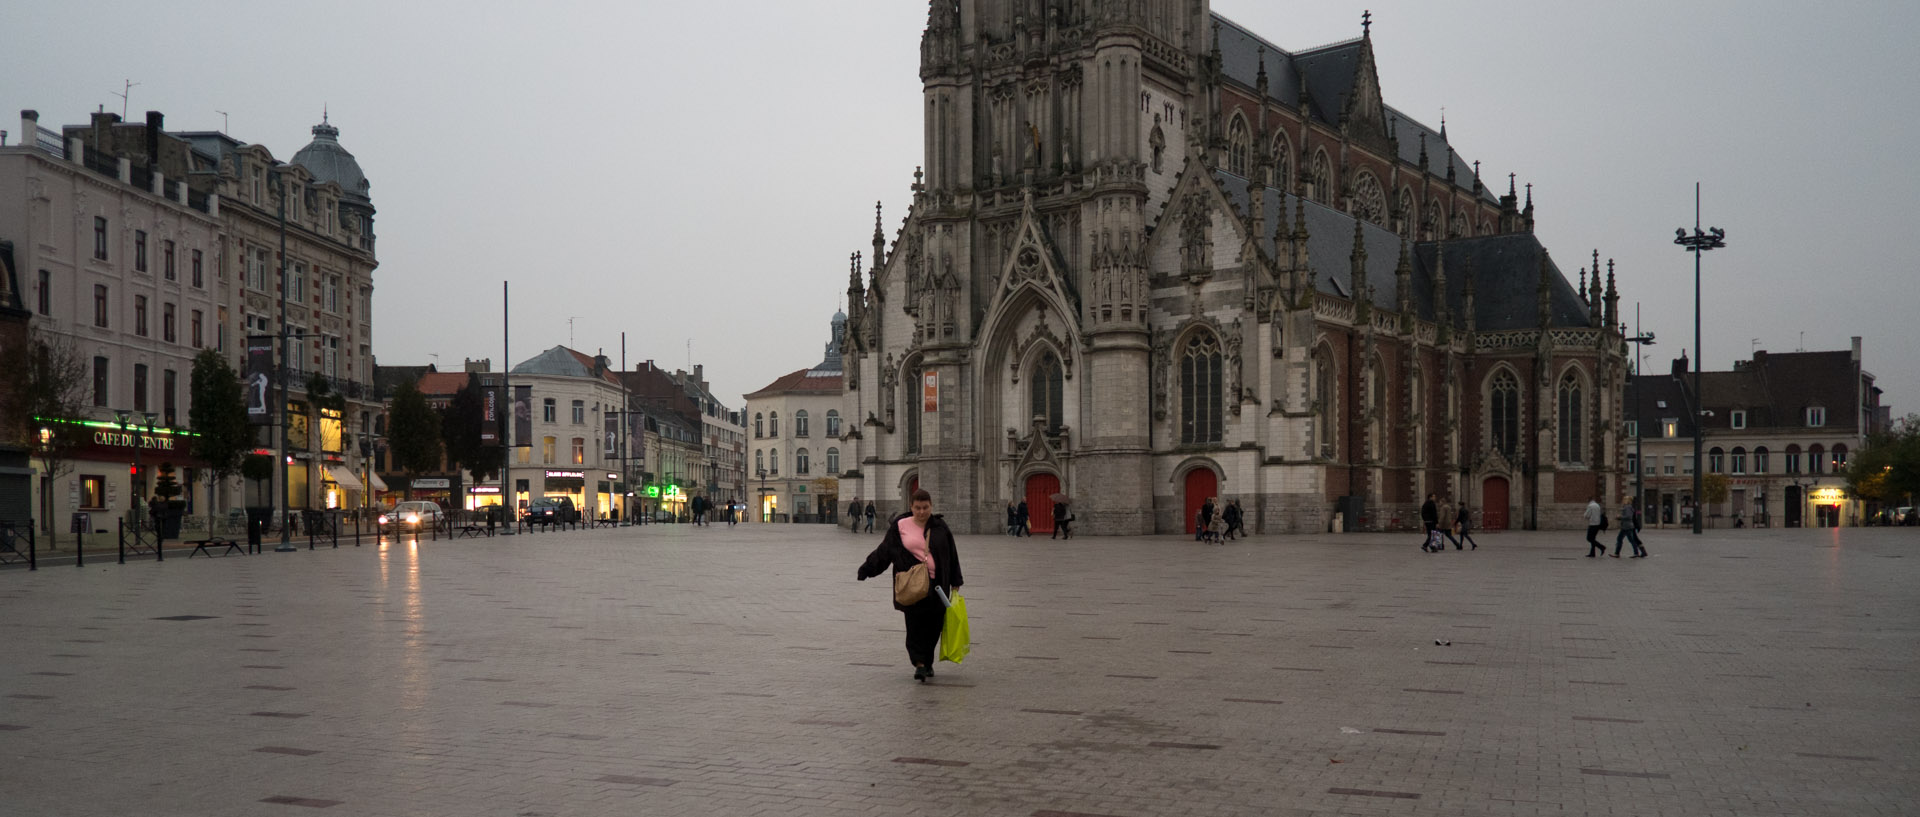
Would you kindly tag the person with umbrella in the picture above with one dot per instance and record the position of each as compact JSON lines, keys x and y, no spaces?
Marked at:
{"x":1062,"y":517}
{"x":913,"y":539}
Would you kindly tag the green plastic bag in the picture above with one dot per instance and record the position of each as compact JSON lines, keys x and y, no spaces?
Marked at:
{"x":954,"y":638}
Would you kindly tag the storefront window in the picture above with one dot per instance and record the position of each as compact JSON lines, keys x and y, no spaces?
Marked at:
{"x":298,"y":436}
{"x":93,"y":491}
{"x":297,"y":484}
{"x":330,"y":431}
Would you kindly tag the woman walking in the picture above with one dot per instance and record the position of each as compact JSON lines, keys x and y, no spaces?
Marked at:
{"x":919,"y":538}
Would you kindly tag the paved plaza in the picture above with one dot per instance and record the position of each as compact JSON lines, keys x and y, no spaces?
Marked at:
{"x":742,"y":671}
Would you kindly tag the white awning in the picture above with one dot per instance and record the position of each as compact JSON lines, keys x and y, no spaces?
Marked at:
{"x":345,"y":478}
{"x":378,"y":483}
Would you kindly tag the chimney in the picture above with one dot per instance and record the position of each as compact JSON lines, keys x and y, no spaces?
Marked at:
{"x":1760,"y":358}
{"x":154,"y":120}
{"x":1856,"y":348}
{"x":1680,"y":366}
{"x":29,"y":127}
{"x":481,"y":366}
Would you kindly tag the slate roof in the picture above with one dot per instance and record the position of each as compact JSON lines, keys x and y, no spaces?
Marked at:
{"x":1330,"y":70}
{"x":329,"y":162}
{"x":563,"y":362}
{"x":1506,"y":268}
{"x":1775,"y":390}
{"x":1643,"y":397}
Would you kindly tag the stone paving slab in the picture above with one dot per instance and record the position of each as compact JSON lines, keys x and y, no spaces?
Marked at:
{"x":679,"y":670}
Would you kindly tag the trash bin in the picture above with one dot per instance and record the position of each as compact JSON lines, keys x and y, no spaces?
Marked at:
{"x":258,"y":520}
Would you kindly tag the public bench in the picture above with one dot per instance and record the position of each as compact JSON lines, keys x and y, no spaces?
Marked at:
{"x":201,"y":545}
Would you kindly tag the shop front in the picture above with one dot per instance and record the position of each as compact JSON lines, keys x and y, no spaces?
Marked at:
{"x":482,"y":496}
{"x":113,"y":470}
{"x":570,"y":484}
{"x":439,"y":490}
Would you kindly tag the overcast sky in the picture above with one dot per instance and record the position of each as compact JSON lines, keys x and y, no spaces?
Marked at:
{"x":696,"y":174}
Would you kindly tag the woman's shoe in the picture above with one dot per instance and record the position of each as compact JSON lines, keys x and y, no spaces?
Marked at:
{"x":919,"y":673}
{"x":929,"y":670}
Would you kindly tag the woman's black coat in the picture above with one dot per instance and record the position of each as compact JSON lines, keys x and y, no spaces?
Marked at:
{"x":893,"y":553}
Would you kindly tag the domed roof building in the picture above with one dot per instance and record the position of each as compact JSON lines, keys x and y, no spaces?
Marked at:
{"x":328,"y":161}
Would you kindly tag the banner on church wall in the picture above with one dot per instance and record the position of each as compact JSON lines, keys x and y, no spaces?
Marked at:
{"x":930,"y":390}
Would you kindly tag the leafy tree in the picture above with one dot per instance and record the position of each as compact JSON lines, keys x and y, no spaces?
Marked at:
{"x":45,"y":401}
{"x":1714,"y":488}
{"x":166,"y":486}
{"x":219,"y":416}
{"x":258,"y":469}
{"x":460,"y":426}
{"x":1888,"y":468}
{"x":413,"y":433}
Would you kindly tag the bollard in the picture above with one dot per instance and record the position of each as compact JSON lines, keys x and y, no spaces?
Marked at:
{"x":33,"y":552}
{"x":122,"y":528}
{"x":160,"y":545}
{"x":79,"y":547}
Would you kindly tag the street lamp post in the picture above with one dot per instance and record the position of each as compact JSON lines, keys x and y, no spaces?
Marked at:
{"x":1697,"y":243}
{"x":286,"y":360}
{"x":1643,"y":340}
{"x":763,"y":493}
{"x":134,"y":421}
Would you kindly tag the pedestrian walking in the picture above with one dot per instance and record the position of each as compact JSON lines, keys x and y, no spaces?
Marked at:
{"x":1021,"y":519}
{"x":1629,"y":529}
{"x":1462,"y":527}
{"x":1596,"y":519}
{"x":919,"y":537}
{"x":853,"y":513}
{"x":1429,"y":522}
{"x":1013,"y":519}
{"x":1062,"y":518}
{"x":1205,"y":522}
{"x":869,"y":515}
{"x":1232,"y":517}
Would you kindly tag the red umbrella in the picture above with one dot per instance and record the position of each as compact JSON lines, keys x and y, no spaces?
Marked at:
{"x":1060,"y":498}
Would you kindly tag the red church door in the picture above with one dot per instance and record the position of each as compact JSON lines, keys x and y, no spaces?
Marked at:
{"x":1040,"y":491}
{"x":1493,"y":504}
{"x":1201,"y":485}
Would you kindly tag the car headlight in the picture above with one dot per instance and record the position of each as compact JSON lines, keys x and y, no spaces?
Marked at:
{"x":383,"y":519}
{"x":413,"y":519}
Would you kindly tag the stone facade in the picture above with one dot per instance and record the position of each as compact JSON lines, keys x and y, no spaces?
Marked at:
{"x":798,"y":433}
{"x":1152,"y":258}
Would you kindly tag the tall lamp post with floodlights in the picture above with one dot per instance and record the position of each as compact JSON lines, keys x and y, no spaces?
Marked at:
{"x":1697,"y":243}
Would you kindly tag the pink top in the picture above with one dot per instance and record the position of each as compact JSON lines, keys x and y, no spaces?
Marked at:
{"x":914,"y":538}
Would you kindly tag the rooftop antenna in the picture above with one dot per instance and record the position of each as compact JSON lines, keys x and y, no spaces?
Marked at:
{"x":1753,"y":346}
{"x":1803,"y":342}
{"x":570,"y":329}
{"x":122,"y":93}
{"x":223,"y":121}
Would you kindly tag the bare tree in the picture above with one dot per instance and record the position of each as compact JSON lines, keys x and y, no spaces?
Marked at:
{"x":45,"y":402}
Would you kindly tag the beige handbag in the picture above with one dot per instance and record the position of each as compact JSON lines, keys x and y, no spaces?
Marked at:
{"x":909,"y":587}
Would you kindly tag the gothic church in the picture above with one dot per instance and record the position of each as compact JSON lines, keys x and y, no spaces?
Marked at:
{"x":1154,"y":258}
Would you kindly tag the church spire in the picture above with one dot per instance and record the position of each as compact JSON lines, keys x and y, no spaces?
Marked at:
{"x":879,"y":238}
{"x":1612,"y":316}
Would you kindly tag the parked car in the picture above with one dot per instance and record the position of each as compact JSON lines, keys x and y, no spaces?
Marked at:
{"x":552,"y":510}
{"x":413,"y":515}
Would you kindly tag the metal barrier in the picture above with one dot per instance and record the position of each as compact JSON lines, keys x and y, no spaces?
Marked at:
{"x":10,"y":540}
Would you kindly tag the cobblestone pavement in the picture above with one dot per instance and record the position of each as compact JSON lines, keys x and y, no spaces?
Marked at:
{"x":743,"y":671}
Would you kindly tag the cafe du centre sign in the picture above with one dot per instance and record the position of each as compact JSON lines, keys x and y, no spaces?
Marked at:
{"x":103,"y":441}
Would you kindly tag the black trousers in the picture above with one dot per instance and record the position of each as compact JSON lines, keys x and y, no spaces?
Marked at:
{"x":1594,"y":544}
{"x":925,"y":620}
